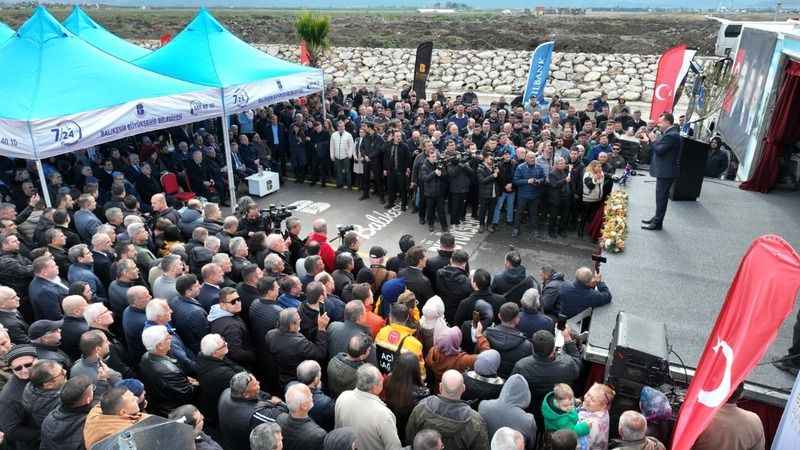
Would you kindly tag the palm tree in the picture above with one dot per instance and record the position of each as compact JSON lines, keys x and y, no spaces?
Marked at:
{"x":313,"y":29}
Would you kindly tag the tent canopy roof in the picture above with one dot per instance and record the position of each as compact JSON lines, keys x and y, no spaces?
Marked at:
{"x":83,"y":26}
{"x":56,"y":74}
{"x":205,"y":52}
{"x":5,"y":32}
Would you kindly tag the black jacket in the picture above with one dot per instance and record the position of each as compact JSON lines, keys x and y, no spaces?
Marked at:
{"x":542,"y":373}
{"x":53,"y":353}
{"x":233,"y":329}
{"x":403,"y":157}
{"x":167,"y":386}
{"x":487,"y":183}
{"x":417,"y":283}
{"x":247,"y":295}
{"x":308,"y":321}
{"x":432,"y":185}
{"x":190,"y":321}
{"x":436,"y":262}
{"x":39,"y":402}
{"x":17,"y":272}
{"x":507,"y":279}
{"x":666,"y":154}
{"x":342,"y":374}
{"x":550,"y":299}
{"x":62,"y":429}
{"x":300,"y":434}
{"x":341,"y":278}
{"x":16,"y":326}
{"x":511,"y":344}
{"x":458,"y":177}
{"x":71,"y":332}
{"x":118,"y":358}
{"x":467,"y":306}
{"x":238,"y":417}
{"x":214,"y":376}
{"x":21,"y":433}
{"x":453,"y":286}
{"x":289,"y":349}
{"x":477,"y":389}
{"x":264,"y":316}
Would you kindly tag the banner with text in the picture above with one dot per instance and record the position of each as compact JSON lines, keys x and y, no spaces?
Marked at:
{"x":761,"y":297}
{"x":672,"y":69}
{"x":270,"y":91}
{"x":788,"y":434}
{"x":422,"y":67}
{"x":538,"y":74}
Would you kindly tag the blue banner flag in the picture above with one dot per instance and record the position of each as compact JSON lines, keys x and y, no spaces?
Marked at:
{"x":788,"y":434}
{"x":538,"y":74}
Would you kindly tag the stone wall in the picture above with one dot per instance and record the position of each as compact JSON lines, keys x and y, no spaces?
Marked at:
{"x":574,"y":75}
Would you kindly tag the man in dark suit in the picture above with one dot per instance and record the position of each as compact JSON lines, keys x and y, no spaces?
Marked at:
{"x":275,"y":137}
{"x":47,"y":289}
{"x":664,"y":166}
{"x":416,"y":281}
{"x":397,"y":169}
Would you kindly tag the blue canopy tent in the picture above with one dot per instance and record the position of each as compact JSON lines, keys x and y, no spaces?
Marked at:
{"x":205,"y":52}
{"x":5,"y":33}
{"x":83,"y":26}
{"x":64,"y":95}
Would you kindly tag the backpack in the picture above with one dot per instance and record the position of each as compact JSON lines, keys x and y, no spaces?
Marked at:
{"x":387,"y":358}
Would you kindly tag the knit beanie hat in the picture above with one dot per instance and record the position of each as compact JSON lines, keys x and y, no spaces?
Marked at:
{"x":132,"y":384}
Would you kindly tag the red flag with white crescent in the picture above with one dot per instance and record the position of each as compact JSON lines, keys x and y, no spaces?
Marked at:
{"x":305,"y":57}
{"x":760,"y":298}
{"x":672,"y":69}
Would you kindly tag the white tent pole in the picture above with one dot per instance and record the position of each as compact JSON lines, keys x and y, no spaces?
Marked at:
{"x":43,"y":181}
{"x":324,"y":112}
{"x":228,"y":157}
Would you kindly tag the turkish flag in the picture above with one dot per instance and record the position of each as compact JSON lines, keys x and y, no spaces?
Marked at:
{"x":672,"y":69}
{"x":305,"y":57}
{"x":760,"y":298}
{"x":165,"y":38}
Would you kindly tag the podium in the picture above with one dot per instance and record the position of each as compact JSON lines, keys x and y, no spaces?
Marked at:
{"x":261,"y":184}
{"x":692,"y":162}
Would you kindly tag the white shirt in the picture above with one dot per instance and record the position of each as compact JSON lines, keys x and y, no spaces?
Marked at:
{"x":342,"y":145}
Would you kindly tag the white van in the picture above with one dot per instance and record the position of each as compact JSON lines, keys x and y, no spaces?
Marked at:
{"x":731,"y":30}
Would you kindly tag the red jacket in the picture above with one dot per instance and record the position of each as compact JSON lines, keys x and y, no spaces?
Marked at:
{"x":325,"y":250}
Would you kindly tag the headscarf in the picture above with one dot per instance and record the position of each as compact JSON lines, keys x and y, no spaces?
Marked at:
{"x":389,"y":293}
{"x":433,"y":316}
{"x":487,"y":363}
{"x":449,"y":341}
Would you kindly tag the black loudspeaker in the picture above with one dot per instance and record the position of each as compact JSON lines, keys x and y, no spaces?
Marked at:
{"x":692,"y":161}
{"x":639,"y":352}
{"x":152,"y":433}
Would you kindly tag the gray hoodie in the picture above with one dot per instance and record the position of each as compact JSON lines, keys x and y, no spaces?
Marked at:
{"x":216,"y":312}
{"x":509,"y":410}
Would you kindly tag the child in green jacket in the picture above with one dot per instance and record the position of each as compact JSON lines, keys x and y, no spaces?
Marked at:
{"x":559,"y":412}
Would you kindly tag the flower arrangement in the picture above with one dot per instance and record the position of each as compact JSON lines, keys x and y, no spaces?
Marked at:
{"x":615,"y":222}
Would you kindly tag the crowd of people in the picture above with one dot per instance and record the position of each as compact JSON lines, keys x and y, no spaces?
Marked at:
{"x":122,"y":301}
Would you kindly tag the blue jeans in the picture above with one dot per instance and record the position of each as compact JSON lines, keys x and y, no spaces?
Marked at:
{"x":506,"y":198}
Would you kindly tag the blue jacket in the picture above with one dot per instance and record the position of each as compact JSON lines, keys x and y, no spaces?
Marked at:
{"x":287,"y":301}
{"x":666,"y":152}
{"x":595,"y":151}
{"x":525,"y":190}
{"x":86,"y":224}
{"x":82,"y":272}
{"x":208,"y":296}
{"x":530,"y":323}
{"x":190,"y":321}
{"x":46,"y":299}
{"x":179,"y":351}
{"x":133,"y":320}
{"x":575,"y":297}
{"x":334,"y":308}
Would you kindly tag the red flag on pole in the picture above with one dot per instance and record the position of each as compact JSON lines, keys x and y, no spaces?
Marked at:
{"x":305,"y":57}
{"x":672,"y":69}
{"x":760,"y":298}
{"x":165,"y":38}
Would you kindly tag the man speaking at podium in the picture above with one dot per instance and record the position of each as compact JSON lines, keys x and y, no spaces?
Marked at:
{"x":665,"y":152}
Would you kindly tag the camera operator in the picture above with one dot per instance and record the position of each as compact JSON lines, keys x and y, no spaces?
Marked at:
{"x":487,"y":191}
{"x":351,"y":244}
{"x":434,"y":184}
{"x":397,"y":170}
{"x":458,"y":176}
{"x":252,"y":221}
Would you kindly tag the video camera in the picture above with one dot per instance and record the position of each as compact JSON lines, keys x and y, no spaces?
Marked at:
{"x":342,"y":229}
{"x":274,"y":215}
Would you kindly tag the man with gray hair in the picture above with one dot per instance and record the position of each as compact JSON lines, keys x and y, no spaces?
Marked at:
{"x":587,"y":291}
{"x":531,"y":317}
{"x":167,"y":385}
{"x":266,"y":436}
{"x":244,"y":406}
{"x":274,"y":266}
{"x":288,"y":347}
{"x":102,"y":256}
{"x":81,"y":269}
{"x":158,"y":312}
{"x":506,"y":438}
{"x":171,"y":268}
{"x":361,"y":409}
{"x":224,"y":262}
{"x":301,"y":432}
{"x":310,"y":373}
{"x":633,"y":433}
{"x":461,"y":427}
{"x":214,"y":373}
{"x":239,"y":252}
{"x":133,"y":320}
{"x":127,"y":277}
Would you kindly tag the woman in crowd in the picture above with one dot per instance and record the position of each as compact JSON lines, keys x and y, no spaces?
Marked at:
{"x":446,"y":353}
{"x":403,"y":389}
{"x":592,"y":198}
{"x":482,"y":382}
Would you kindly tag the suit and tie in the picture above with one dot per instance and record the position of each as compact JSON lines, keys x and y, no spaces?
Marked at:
{"x":665,"y":168}
{"x":46,"y":298}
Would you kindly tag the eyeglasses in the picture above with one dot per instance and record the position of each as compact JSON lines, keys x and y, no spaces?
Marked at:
{"x":62,"y":373}
{"x":23,"y":366}
{"x":233,"y":302}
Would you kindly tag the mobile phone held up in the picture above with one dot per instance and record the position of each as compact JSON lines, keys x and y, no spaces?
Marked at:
{"x":476,"y":317}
